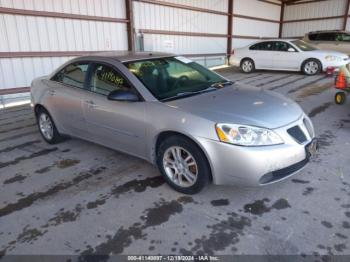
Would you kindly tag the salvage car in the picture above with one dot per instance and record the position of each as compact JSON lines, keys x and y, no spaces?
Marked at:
{"x":336,"y":40}
{"x":194,"y":124}
{"x":290,"y":55}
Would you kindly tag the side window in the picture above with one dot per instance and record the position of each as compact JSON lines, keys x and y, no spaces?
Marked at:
{"x":105,"y":79}
{"x":313,"y":37}
{"x":73,"y":75}
{"x":346,"y":37}
{"x":342,"y":37}
{"x":326,"y":37}
{"x":264,"y":46}
{"x":282,"y":46}
{"x":254,"y":47}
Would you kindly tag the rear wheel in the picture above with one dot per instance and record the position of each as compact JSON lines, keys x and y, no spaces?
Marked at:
{"x":311,"y":67}
{"x":340,"y":98}
{"x":247,"y":65}
{"x":183,"y":165}
{"x":47,"y":127}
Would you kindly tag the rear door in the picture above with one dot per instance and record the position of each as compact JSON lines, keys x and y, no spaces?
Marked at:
{"x":115,"y":124}
{"x":286,"y":56}
{"x":262,"y":53}
{"x":65,"y":98}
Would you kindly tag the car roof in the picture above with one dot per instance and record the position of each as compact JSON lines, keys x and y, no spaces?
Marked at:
{"x":125,"y":56}
{"x":275,"y":39}
{"x":327,"y":31}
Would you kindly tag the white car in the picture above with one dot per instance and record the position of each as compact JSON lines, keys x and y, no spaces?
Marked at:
{"x":291,"y":55}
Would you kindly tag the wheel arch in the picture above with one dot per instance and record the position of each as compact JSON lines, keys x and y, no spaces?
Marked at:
{"x":37,"y":107}
{"x":246,"y":58}
{"x":311,"y":58}
{"x":168,"y":133}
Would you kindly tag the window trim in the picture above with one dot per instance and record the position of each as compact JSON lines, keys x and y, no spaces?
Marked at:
{"x":92,"y":66}
{"x":289,"y":44}
{"x":85,"y":77}
{"x":263,"y":42}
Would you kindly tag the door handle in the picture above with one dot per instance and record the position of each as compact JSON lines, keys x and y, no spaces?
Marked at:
{"x":52,"y":92}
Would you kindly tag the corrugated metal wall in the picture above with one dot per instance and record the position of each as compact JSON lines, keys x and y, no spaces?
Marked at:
{"x":156,"y":17}
{"x":328,"y":8}
{"x":19,"y":33}
{"x":33,"y":33}
{"x":249,"y":27}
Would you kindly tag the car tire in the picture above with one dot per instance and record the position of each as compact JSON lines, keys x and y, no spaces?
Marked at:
{"x":183,"y":164}
{"x":47,"y":127}
{"x":311,"y":67}
{"x":340,"y":98}
{"x":247,"y":65}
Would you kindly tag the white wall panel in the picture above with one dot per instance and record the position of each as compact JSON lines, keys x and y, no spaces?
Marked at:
{"x":20,"y":33}
{"x":249,"y":27}
{"x":313,"y":10}
{"x":108,"y":8}
{"x":184,"y":44}
{"x":217,"y":5}
{"x":238,"y":43}
{"x":317,"y":9}
{"x":301,"y":28}
{"x":149,"y":16}
{"x":19,"y":72}
{"x":257,"y":9}
{"x":27,"y":33}
{"x":347,"y":25}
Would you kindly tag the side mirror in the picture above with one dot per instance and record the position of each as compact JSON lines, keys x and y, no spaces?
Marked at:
{"x":122,"y":95}
{"x":290,"y":49}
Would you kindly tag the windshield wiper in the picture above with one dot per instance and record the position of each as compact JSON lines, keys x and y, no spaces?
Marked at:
{"x":221,"y":84}
{"x":190,"y":93}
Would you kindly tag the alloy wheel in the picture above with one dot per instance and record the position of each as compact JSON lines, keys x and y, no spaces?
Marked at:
{"x":247,"y":66}
{"x":180,"y":166}
{"x":46,"y":126}
{"x":311,"y":67}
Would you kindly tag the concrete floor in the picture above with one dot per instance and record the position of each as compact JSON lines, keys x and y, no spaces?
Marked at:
{"x":81,"y":198}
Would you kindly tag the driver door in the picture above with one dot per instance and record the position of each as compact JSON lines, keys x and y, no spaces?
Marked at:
{"x":115,"y":124}
{"x":286,"y":56}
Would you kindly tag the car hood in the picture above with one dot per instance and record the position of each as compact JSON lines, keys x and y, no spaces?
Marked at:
{"x":241,"y":104}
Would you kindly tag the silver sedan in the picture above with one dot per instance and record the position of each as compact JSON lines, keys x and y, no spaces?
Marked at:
{"x":194,"y":124}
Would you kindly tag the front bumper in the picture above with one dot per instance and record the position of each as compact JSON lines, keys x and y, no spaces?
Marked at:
{"x":256,"y":166}
{"x":334,"y":64}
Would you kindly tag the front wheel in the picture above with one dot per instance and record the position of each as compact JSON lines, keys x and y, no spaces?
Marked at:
{"x":340,"y":98}
{"x":47,"y":127}
{"x":247,"y":65}
{"x":183,"y":165}
{"x":311,"y":67}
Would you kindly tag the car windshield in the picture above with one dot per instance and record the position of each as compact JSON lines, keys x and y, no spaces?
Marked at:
{"x":175,"y":77}
{"x":303,"y":46}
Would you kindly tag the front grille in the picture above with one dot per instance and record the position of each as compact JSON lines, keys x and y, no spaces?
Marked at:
{"x":308,"y":126}
{"x":282,"y":173}
{"x":297,"y":134}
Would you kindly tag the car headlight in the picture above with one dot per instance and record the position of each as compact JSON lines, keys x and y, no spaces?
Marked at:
{"x":247,"y":135}
{"x":333,"y":58}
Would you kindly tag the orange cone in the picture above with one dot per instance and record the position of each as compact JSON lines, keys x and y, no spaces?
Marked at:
{"x":340,"y":82}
